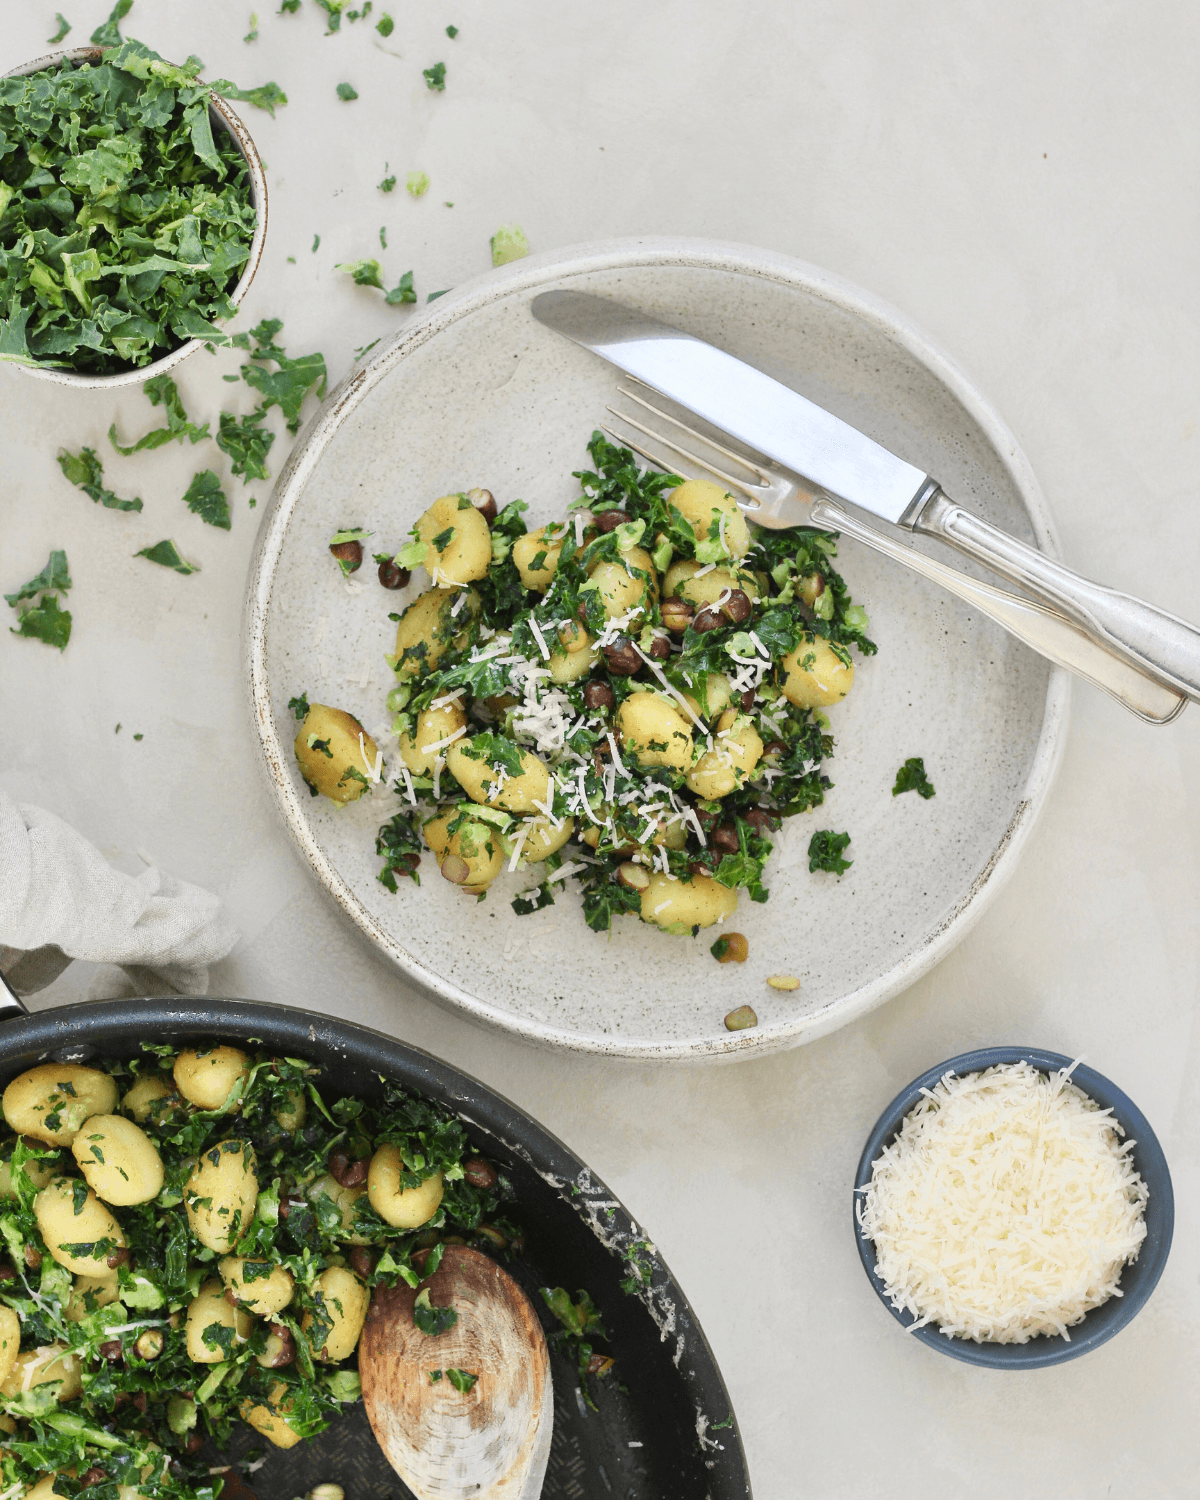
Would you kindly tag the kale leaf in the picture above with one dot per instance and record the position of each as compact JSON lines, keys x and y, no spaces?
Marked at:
{"x":63,"y":27}
{"x":166,"y":554}
{"x":287,"y":386}
{"x":247,"y":443}
{"x":162,"y":391}
{"x":86,"y":471}
{"x":205,"y":498}
{"x":435,"y":77}
{"x":45,"y":620}
{"x":399,"y":842}
{"x":53,"y":576}
{"x":911,"y":777}
{"x":825,"y":851}
{"x":432,"y":1320}
{"x":107,"y":33}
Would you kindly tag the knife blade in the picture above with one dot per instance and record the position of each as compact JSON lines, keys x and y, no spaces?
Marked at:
{"x":777,"y":422}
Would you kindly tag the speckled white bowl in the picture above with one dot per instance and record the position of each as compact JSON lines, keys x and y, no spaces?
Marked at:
{"x":224,"y":118}
{"x":474,"y":392}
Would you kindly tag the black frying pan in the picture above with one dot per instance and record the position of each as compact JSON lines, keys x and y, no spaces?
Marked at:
{"x":652,"y":1437}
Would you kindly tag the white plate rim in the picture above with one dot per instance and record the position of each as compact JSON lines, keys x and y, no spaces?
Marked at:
{"x":534,"y":274}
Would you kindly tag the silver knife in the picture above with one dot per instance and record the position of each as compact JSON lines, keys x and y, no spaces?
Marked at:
{"x":832,"y":458}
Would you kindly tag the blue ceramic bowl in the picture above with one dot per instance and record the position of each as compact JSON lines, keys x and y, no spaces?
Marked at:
{"x":1137,"y":1280}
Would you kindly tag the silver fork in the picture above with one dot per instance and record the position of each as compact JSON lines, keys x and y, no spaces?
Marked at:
{"x":770,"y":498}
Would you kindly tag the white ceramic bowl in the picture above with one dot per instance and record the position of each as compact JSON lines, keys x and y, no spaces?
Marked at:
{"x":474,"y":392}
{"x":223,"y":117}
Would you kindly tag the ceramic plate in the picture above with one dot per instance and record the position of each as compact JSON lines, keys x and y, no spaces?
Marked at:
{"x":474,"y":392}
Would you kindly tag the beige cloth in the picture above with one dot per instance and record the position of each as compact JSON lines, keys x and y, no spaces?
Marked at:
{"x":60,"y":900}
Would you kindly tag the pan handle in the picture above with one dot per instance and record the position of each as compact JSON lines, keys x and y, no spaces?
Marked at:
{"x":10,"y":1005}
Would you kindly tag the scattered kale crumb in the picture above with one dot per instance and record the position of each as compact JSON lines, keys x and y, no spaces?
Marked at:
{"x":166,"y":554}
{"x":63,"y":27}
{"x":718,"y":1426}
{"x":107,"y":33}
{"x":205,"y":498}
{"x":509,"y":243}
{"x":911,"y":777}
{"x":433,"y":296}
{"x":85,"y":471}
{"x":316,"y":243}
{"x":432,"y":1320}
{"x":461,"y":1380}
{"x":162,"y":391}
{"x":347,"y":91}
{"x":117,"y":730}
{"x":289,"y":7}
{"x":435,"y":78}
{"x":44,"y":620}
{"x":388,"y":183}
{"x":247,"y":442}
{"x":358,"y":354}
{"x":385,"y":25}
{"x":825,"y":852}
{"x":417,"y":184}
{"x":451,"y":32}
{"x":581,"y":1324}
{"x":383,"y":236}
{"x":299,"y":706}
{"x":252,"y":34}
{"x":288,"y":385}
{"x":139,"y":736}
{"x":291,"y":260}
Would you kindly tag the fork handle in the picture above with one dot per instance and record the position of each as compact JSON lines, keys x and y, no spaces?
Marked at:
{"x":1045,"y":630}
{"x":1150,"y":638}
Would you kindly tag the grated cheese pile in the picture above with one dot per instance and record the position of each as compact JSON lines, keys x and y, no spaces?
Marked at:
{"x":1005,"y":1208}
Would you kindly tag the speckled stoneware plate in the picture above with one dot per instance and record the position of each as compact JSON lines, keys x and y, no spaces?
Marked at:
{"x":474,"y":392}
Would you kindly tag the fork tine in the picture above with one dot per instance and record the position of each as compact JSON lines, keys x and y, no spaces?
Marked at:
{"x":760,"y":474}
{"x":752,"y":500}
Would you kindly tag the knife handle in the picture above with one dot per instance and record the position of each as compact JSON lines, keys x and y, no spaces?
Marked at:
{"x":1045,"y":630}
{"x":1151,"y":639}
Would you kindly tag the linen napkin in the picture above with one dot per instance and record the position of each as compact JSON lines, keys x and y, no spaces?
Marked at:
{"x":60,"y":899}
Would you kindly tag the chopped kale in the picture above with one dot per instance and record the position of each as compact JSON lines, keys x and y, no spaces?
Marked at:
{"x":364,"y":272}
{"x":162,"y":391}
{"x":417,"y":184}
{"x":166,"y":554}
{"x":825,"y":852}
{"x":107,"y":33}
{"x":252,"y":34}
{"x":432,"y":1320}
{"x":63,"y":27}
{"x":508,"y":243}
{"x":399,"y":842}
{"x":383,"y":236}
{"x":388,"y":183}
{"x":451,"y":32}
{"x":205,"y":498}
{"x":461,"y":1380}
{"x":247,"y":442}
{"x":403,"y":292}
{"x":53,"y":576}
{"x":45,"y":621}
{"x":286,"y":386}
{"x":347,"y":91}
{"x":911,"y":778}
{"x":435,"y":77}
{"x":385,"y":25}
{"x":299,"y":706}
{"x":86,"y":471}
{"x":316,"y":243}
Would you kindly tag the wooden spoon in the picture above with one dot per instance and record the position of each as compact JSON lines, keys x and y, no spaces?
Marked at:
{"x":489,"y":1443}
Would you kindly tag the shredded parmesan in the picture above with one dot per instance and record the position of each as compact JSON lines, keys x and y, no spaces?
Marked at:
{"x":1005,"y":1208}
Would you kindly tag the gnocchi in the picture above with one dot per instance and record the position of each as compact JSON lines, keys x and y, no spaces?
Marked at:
{"x":402,"y":1207}
{"x":221,"y":1194}
{"x":215,"y":1326}
{"x":80,"y":1232}
{"x":458,"y":544}
{"x":341,"y":1300}
{"x":336,"y":755}
{"x":50,"y":1102}
{"x":118,"y":1160}
{"x":212,"y":1078}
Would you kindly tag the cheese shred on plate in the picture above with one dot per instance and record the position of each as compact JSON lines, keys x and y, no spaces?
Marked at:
{"x":1006,"y":1207}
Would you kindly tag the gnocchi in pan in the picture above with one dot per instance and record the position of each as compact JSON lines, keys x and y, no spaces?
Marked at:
{"x":192,"y":1238}
{"x":634,"y":697}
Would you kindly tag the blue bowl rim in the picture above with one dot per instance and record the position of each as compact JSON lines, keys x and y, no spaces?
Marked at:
{"x":1137,"y":1281}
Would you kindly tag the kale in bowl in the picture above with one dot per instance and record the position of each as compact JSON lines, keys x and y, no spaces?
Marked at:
{"x":126,"y":220}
